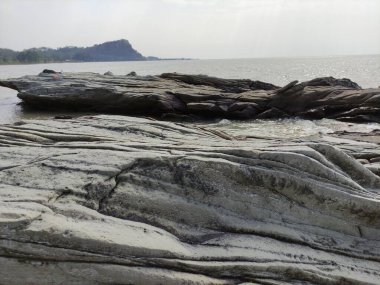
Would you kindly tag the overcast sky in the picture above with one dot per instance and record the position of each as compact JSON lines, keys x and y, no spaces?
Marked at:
{"x":197,"y":28}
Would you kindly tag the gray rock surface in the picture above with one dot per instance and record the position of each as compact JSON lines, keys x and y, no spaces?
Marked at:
{"x":171,"y":94}
{"x":123,"y":200}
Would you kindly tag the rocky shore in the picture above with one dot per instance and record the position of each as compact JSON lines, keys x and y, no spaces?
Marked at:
{"x":113,"y":199}
{"x":123,"y":200}
{"x":180,"y":96}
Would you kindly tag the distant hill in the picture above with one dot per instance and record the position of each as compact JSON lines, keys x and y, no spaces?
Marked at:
{"x":120,"y":50}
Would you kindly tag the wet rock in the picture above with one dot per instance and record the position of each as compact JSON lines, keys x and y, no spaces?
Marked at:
{"x":375,"y":159}
{"x":230,"y":85}
{"x":49,"y":71}
{"x":331,"y":81}
{"x":132,"y":73}
{"x":272,"y":113}
{"x":198,"y":95}
{"x":179,"y":117}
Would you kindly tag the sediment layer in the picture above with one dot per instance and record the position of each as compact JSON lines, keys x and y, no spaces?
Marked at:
{"x":123,"y":200}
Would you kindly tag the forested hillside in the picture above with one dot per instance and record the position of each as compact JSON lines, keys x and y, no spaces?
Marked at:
{"x":120,"y":50}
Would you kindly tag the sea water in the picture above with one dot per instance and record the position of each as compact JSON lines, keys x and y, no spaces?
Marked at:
{"x":365,"y":70}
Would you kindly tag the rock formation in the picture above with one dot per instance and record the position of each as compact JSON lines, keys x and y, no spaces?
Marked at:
{"x":197,"y":96}
{"x":123,"y":200}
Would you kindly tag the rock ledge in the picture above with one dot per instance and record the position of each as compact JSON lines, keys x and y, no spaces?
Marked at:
{"x":122,"y":200}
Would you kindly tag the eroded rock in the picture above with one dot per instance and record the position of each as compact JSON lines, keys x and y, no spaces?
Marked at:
{"x":122,"y":200}
{"x":198,"y":96}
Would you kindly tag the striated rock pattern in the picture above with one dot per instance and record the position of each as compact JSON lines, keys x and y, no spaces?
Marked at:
{"x":122,"y":200}
{"x":173,"y":95}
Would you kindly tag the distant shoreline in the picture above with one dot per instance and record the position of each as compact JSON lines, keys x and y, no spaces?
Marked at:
{"x":72,"y":61}
{"x":119,"y":50}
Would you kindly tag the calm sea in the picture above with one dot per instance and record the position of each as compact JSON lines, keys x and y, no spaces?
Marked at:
{"x":365,"y":70}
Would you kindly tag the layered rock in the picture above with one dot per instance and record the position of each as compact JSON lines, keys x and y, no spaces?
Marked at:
{"x":173,"y":95}
{"x":122,"y":200}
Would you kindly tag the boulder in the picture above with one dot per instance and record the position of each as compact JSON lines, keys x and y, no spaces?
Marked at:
{"x":132,"y":73}
{"x":109,"y":73}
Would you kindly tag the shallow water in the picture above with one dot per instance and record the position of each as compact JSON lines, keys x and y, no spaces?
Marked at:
{"x":365,"y":70}
{"x":288,"y":128}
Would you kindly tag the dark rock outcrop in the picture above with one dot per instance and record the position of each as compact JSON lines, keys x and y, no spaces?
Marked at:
{"x":229,"y":85}
{"x":48,"y":71}
{"x":83,"y":201}
{"x":199,"y":95}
